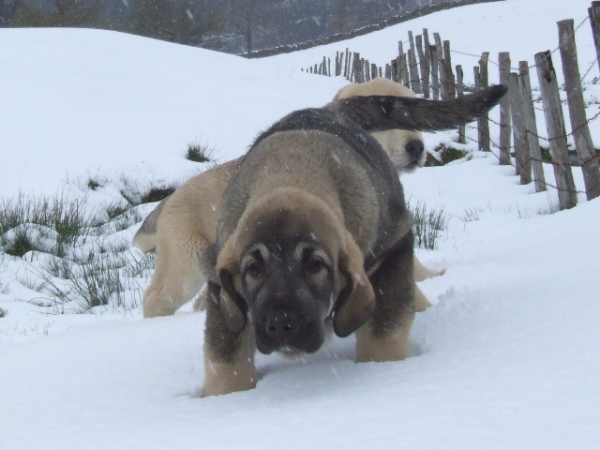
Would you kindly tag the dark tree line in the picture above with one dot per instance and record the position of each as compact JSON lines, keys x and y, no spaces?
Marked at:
{"x":7,"y":11}
{"x":183,"y":21}
{"x":236,"y":26}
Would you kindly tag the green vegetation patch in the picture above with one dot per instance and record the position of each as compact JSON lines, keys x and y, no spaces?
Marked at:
{"x":428,"y":225}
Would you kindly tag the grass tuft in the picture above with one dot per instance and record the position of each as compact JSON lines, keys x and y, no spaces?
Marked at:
{"x":157,"y":194}
{"x":82,"y":260}
{"x":471,"y":214}
{"x":199,"y":153}
{"x":19,"y":244}
{"x":26,"y":217}
{"x":447,"y":153}
{"x":95,"y":283}
{"x":93,"y":184}
{"x":116,"y":209}
{"x":428,"y":225}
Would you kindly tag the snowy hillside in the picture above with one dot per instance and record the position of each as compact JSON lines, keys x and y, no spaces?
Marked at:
{"x":507,"y":358}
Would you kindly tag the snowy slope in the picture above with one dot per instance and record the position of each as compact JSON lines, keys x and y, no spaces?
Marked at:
{"x":508,"y":356}
{"x":89,"y":101}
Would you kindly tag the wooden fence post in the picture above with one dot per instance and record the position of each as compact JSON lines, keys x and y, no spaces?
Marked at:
{"x":403,"y":68}
{"x":483,"y":123}
{"x":388,"y":72}
{"x":522,"y":160}
{"x":440,"y":73}
{"x":347,"y":64}
{"x":450,"y":88}
{"x":413,"y":71}
{"x":426,"y":39}
{"x":374,"y":71}
{"x":415,"y":79}
{"x":435,"y":80}
{"x":427,"y":75}
{"x":505,"y":116}
{"x":477,"y":86}
{"x":531,"y":132}
{"x":567,"y":194}
{"x":356,"y":68}
{"x":579,"y":123}
{"x":424,"y":64}
{"x":594,"y":14}
{"x":460,"y":89}
{"x":401,"y":61}
{"x":366,"y":70}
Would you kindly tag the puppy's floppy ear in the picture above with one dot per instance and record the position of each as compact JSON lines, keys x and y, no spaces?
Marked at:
{"x":356,"y":301}
{"x":232,"y":304}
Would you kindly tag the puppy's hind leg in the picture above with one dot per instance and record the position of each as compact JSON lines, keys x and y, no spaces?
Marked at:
{"x":421,"y":302}
{"x":422,"y":273}
{"x":385,"y":337}
{"x":177,"y":276}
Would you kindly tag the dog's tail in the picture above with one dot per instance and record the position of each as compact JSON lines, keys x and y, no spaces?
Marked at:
{"x":380,"y":113}
{"x":145,"y":238}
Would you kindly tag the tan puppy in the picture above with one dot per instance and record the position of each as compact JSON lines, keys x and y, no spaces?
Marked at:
{"x":313,"y":235}
{"x":404,"y":147}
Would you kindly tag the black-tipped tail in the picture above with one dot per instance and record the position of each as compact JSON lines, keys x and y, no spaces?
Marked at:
{"x":380,"y":113}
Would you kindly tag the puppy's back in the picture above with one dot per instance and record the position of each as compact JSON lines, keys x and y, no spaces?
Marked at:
{"x":378,"y":86}
{"x":321,"y":152}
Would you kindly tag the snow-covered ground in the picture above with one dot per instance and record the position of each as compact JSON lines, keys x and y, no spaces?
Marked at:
{"x":508,"y":356}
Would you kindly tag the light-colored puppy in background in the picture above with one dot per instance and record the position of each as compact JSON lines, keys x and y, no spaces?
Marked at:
{"x":179,"y":229}
{"x":405,"y":148}
{"x":184,"y":224}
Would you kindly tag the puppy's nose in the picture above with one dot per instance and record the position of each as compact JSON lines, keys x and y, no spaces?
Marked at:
{"x":282,"y":324}
{"x":415,"y":148}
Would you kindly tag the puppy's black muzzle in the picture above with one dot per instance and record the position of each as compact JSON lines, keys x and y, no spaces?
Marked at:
{"x":282,"y":329}
{"x":282,"y":325}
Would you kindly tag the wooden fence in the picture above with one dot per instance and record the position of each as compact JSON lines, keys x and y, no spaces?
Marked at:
{"x":426,"y":68}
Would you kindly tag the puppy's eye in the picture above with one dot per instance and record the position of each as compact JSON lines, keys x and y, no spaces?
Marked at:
{"x":255,"y":269}
{"x":314,"y":265}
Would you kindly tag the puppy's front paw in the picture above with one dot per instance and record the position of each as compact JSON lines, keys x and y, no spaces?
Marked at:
{"x":223,"y":379}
